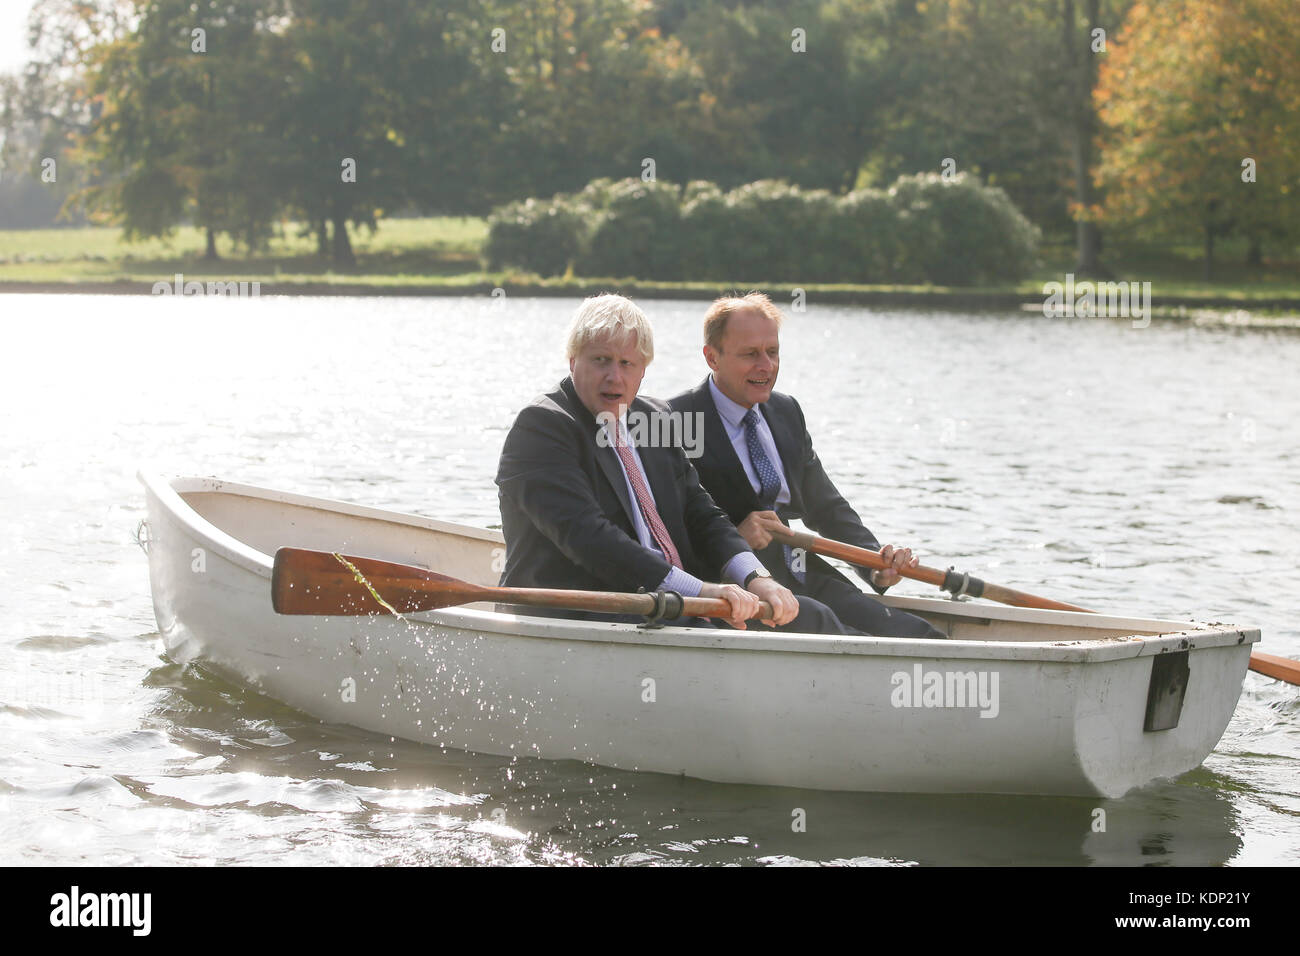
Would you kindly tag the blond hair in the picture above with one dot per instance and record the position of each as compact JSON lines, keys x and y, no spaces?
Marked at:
{"x":614,"y":316}
{"x":715,"y":320}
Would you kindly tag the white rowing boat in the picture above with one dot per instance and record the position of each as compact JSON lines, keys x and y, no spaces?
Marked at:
{"x":1017,"y":701}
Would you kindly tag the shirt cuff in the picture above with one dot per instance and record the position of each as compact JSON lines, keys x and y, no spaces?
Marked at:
{"x":687,"y":585}
{"x":739,"y":567}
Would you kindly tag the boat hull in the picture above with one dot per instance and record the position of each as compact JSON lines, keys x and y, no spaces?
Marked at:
{"x":1002,"y":716}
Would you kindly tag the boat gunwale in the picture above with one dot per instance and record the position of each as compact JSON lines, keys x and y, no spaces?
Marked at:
{"x":1090,"y":651}
{"x":1182,"y":635}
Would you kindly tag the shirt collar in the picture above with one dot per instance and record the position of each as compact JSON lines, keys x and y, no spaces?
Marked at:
{"x":732,"y":413}
{"x":616,"y":428}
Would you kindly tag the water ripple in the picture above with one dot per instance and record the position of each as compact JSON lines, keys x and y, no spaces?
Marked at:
{"x":1131,"y":470}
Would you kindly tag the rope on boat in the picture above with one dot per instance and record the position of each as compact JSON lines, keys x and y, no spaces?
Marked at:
{"x":143,"y":536}
{"x":361,"y":579}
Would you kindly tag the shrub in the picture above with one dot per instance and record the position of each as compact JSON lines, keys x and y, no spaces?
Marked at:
{"x":596,"y":195}
{"x":959,"y":231}
{"x":539,"y":235}
{"x":637,"y":234}
{"x":864,"y":232}
{"x":711,"y":246}
{"x":766,"y":230}
{"x":923,"y":229}
{"x":785,"y":232}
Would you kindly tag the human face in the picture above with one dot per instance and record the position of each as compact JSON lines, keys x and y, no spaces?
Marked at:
{"x":745,"y":366}
{"x":607,"y":374}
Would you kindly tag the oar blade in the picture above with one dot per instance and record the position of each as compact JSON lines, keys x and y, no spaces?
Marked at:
{"x":304,"y":581}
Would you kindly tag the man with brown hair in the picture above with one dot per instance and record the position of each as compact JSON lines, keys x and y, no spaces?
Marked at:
{"x":758,"y":464}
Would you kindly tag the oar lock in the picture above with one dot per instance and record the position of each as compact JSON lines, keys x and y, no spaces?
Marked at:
{"x":961,"y":584}
{"x":668,"y":605}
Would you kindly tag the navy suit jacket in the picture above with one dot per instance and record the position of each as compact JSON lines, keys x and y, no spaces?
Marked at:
{"x":567,"y":516}
{"x":814,"y":499}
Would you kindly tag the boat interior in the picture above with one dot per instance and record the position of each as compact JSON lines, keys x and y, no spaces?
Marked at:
{"x":266,"y":521}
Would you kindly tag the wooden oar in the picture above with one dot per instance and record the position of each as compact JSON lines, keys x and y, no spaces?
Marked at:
{"x":949,"y":580}
{"x":324,"y":582}
{"x":1279,"y":668}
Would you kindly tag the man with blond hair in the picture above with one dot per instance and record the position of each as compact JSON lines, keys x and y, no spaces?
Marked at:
{"x":758,"y":464}
{"x":583,"y":507}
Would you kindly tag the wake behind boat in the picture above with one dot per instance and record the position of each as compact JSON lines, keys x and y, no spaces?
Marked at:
{"x":1016,"y":701}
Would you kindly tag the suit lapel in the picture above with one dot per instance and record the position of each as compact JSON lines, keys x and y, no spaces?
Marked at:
{"x":715,"y":436}
{"x":608,"y":461}
{"x":788,"y":447}
{"x":658,"y":475}
{"x":606,"y":456}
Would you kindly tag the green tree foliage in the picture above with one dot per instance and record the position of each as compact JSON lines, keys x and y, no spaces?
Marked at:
{"x":46,"y":109}
{"x":334,"y":113}
{"x":179,"y":118}
{"x":591,"y":88}
{"x":794,"y":90}
{"x":982,"y":85}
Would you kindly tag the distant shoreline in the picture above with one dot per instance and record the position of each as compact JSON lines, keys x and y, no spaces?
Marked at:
{"x":1240,"y":311}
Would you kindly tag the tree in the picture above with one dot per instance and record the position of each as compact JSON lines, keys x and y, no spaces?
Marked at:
{"x":981,"y":84}
{"x":339,"y":156}
{"x":1201,"y":105}
{"x":580,"y":90}
{"x":180,"y":112}
{"x":1004,"y":90}
{"x":795,"y":91}
{"x":46,"y":108}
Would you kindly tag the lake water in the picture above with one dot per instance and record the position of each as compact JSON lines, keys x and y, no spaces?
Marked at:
{"x":1151,"y":471}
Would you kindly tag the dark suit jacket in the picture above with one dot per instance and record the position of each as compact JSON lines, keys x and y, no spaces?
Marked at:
{"x":814,"y":499}
{"x":567,"y":516}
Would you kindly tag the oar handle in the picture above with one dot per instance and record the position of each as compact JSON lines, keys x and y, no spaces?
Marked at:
{"x":958,"y":584}
{"x":717,"y":607}
{"x":613,"y":602}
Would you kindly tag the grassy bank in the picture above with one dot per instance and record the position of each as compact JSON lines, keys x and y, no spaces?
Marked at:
{"x":414,"y":248}
{"x":441,"y":256}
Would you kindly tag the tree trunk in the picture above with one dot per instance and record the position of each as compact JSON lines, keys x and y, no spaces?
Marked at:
{"x":1082,"y":79}
{"x":1255,"y":252}
{"x":210,"y":255}
{"x":1209,"y":250}
{"x":342,"y":244}
{"x":322,"y":238}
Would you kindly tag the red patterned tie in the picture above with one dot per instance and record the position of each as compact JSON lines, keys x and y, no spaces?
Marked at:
{"x":646,"y":503}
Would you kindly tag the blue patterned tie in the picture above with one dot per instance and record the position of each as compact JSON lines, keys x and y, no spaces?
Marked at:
{"x":769,"y":482}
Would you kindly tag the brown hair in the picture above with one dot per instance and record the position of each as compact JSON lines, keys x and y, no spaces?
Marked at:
{"x":715,"y":320}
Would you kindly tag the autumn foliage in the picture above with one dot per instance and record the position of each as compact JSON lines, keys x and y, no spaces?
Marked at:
{"x":1197,"y":99}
